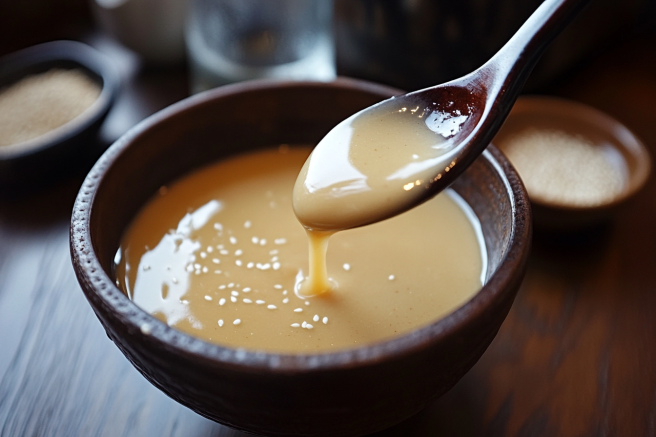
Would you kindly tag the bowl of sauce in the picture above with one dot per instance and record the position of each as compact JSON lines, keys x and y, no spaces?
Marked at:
{"x":199,"y":270}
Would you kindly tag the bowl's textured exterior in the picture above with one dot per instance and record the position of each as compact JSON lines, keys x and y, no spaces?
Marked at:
{"x":348,"y":393}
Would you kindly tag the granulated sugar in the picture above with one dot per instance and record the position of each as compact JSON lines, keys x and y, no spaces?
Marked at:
{"x":40,"y":103}
{"x":565,"y":169}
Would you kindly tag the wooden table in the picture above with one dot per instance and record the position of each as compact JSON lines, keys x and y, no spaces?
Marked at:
{"x":575,"y":357}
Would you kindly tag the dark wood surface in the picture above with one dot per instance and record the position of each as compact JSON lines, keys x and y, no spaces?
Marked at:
{"x":575,"y":357}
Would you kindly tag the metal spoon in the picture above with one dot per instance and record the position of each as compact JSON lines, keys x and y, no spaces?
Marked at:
{"x":362,"y":173}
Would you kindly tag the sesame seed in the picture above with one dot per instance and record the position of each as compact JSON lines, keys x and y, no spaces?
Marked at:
{"x":197,"y":266}
{"x":234,"y":293}
{"x":216,"y":261}
{"x":218,"y":226}
{"x":174,"y":280}
{"x":247,"y":301}
{"x":271,"y":307}
{"x":276,"y":266}
{"x":246,"y":289}
{"x":210,"y":249}
{"x":208,"y":297}
{"x":266,"y":266}
{"x":238,"y":262}
{"x":284,"y":292}
{"x":273,"y":252}
{"x":307,"y":302}
{"x":308,"y":326}
{"x":238,"y":252}
{"x":391,"y":277}
{"x":146,"y":329}
{"x":295,"y":325}
{"x":224,"y":252}
{"x":346,"y":267}
{"x":233,"y":240}
{"x":278,"y":286}
{"x":218,"y":272}
{"x":304,"y":324}
{"x":250,"y":265}
{"x":259,"y":302}
{"x":262,"y":241}
{"x":220,"y":246}
{"x":233,"y":299}
{"x":197,"y":272}
{"x":203,"y":255}
{"x":280,"y":240}
{"x":222,"y":301}
{"x":274,"y":258}
{"x":221,"y":287}
{"x":285,"y":300}
{"x":236,"y":322}
{"x":298,"y":310}
{"x":185,"y":301}
{"x":255,"y":240}
{"x":325,"y":320}
{"x":247,"y":224}
{"x":205,"y":270}
{"x":316,"y":317}
{"x":232,"y":284}
{"x":220,"y":322}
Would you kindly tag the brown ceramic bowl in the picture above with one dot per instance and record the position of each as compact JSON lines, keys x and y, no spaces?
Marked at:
{"x":627,"y":152}
{"x":346,"y":393}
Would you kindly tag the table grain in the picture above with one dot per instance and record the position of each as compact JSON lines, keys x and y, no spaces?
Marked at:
{"x":575,"y":357}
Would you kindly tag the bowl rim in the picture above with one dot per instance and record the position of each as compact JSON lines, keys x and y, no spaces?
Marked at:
{"x":86,"y":57}
{"x":586,"y":114}
{"x":102,"y":290}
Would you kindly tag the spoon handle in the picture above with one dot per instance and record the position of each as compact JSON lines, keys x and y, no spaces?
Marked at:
{"x":511,"y":65}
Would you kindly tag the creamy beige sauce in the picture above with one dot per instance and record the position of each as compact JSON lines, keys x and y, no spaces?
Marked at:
{"x":372,"y":166}
{"x":220,"y":255}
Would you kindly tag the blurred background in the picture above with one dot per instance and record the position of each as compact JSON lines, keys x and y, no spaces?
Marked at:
{"x":404,"y":43}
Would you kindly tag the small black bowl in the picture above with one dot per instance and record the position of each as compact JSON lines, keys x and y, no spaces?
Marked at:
{"x":29,"y":164}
